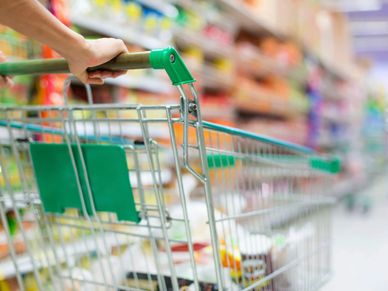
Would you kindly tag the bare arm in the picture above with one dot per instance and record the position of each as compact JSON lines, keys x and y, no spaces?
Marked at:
{"x":30,"y":18}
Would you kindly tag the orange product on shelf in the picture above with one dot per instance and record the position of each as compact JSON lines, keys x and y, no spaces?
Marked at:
{"x":286,"y":53}
{"x":217,"y":107}
{"x":271,"y":97}
{"x":277,"y":85}
{"x":253,"y":3}
{"x":292,"y":52}
{"x":230,"y":258}
{"x":19,"y":245}
{"x":270,"y":46}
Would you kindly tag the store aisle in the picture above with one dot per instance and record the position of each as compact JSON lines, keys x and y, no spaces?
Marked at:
{"x":360,"y":244}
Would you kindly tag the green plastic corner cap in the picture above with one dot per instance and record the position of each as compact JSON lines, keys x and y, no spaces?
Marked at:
{"x":107,"y":173}
{"x":169,"y":60}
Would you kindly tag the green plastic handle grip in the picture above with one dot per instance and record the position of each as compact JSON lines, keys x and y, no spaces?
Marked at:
{"x":167,"y":59}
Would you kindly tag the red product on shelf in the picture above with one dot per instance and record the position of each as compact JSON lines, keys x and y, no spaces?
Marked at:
{"x":50,"y":88}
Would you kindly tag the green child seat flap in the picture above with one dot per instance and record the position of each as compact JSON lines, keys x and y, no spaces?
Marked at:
{"x":107,"y":174}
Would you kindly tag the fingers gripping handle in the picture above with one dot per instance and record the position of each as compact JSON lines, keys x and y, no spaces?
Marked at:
{"x":167,"y":59}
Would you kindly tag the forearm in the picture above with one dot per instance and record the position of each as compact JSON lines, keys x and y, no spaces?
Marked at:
{"x":30,"y":18}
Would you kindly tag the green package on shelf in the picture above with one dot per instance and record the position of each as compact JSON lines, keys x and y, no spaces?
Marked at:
{"x":64,"y":172}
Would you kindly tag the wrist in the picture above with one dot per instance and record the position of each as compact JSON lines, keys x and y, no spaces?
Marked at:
{"x":78,"y":48}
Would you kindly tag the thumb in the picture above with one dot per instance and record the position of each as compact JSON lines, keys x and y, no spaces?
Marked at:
{"x":81,"y":75}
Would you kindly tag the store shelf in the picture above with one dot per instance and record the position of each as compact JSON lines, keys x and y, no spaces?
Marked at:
{"x":149,"y":84}
{"x":247,"y":18}
{"x":164,"y":7}
{"x":337,"y":117}
{"x":211,"y":16}
{"x":69,"y":251}
{"x":261,"y":102}
{"x":329,"y":143}
{"x":214,"y":79}
{"x":218,"y":112}
{"x":210,"y":47}
{"x":249,"y":21}
{"x":125,"y":32}
{"x":187,"y":4}
{"x":330,"y":92}
{"x":354,"y":184}
{"x":340,"y":71}
{"x":258,"y":65}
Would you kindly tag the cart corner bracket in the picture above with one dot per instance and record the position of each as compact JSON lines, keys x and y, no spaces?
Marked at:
{"x":169,"y":60}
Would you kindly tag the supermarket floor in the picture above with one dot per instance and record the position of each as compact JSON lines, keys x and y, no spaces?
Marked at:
{"x":360,"y":244}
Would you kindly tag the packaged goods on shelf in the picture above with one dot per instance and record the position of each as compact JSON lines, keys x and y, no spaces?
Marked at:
{"x":294,"y":130}
{"x":200,"y":24}
{"x":133,"y":21}
{"x":218,"y":76}
{"x":253,"y":61}
{"x":277,"y":15}
{"x":218,"y":107}
{"x":272,"y":96}
{"x":17,"y":47}
{"x":374,"y":132}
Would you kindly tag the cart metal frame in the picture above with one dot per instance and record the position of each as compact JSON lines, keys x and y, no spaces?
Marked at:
{"x":263,"y":187}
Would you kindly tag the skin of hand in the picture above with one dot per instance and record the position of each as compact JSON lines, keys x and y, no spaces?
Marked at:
{"x":93,"y":53}
{"x":5,"y":81}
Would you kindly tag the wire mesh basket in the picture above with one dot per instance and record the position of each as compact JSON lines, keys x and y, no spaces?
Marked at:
{"x":132,"y":197}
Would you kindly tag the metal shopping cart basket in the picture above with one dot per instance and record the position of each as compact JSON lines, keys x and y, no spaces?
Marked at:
{"x":133,"y":197}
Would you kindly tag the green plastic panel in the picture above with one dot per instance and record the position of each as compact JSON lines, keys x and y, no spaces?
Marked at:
{"x":169,"y":60}
{"x":220,"y":161}
{"x":107,"y":172}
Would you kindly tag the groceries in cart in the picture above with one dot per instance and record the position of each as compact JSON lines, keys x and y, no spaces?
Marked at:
{"x":151,"y":197}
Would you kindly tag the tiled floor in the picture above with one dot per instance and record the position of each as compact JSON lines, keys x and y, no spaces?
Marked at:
{"x":360,"y":244}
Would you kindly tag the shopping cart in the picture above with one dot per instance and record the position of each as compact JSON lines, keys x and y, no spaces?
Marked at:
{"x":134,"y":197}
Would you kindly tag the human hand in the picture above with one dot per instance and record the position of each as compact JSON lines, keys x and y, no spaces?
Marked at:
{"x":5,"y":81}
{"x":92,"y":53}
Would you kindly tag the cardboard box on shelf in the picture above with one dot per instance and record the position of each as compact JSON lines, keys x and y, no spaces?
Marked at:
{"x":307,"y":30}
{"x":278,"y":15}
{"x":336,"y":44}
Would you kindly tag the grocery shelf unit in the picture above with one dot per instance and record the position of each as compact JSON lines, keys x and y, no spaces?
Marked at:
{"x":243,"y":62}
{"x":238,"y":69}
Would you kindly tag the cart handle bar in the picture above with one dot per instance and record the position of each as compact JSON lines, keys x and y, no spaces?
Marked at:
{"x":167,"y":59}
